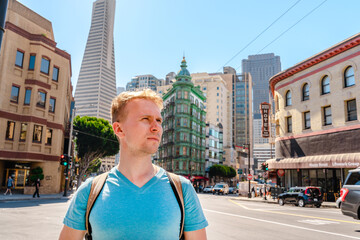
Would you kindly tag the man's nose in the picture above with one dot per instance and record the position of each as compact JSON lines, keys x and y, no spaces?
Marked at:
{"x":155,"y":126}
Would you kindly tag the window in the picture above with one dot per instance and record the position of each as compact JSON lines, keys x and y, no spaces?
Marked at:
{"x":179,"y":95}
{"x":41,"y":99}
{"x":288,"y":98}
{"x":289,"y":124}
{"x":37,"y":133}
{"x":27,"y":96}
{"x":45,"y":64}
{"x":349,"y":79}
{"x":325,"y":85}
{"x":186,"y":94}
{"x":305,"y":92}
{"x":55,"y":75}
{"x":48,"y":136}
{"x":327,"y":116}
{"x":351,"y":110}
{"x":19,"y":58}
{"x":307,"y":123}
{"x":276,"y":103}
{"x":52,"y":105}
{"x":23,"y":131}
{"x":10,"y":130}
{"x":32,"y":62}
{"x":14,"y":94}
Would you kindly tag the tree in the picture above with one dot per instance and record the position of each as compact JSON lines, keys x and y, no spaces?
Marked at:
{"x":95,"y":139}
{"x":217,"y":170}
{"x":231,"y":172}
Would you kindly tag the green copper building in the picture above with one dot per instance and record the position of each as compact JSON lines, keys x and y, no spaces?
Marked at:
{"x":182,"y":149}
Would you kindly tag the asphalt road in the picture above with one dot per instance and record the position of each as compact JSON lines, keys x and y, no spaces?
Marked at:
{"x":228,"y":219}
{"x":232,"y":219}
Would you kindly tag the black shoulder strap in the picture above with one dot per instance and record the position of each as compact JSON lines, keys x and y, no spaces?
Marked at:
{"x":96,"y":187}
{"x":177,"y":189}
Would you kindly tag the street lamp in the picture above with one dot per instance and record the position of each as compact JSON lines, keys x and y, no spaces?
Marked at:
{"x":70,"y":141}
{"x":247,"y":145}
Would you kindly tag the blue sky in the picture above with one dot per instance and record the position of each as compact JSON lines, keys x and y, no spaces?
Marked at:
{"x":152,"y":35}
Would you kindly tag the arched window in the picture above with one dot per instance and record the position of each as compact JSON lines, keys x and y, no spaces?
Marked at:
{"x":325,"y":85}
{"x":349,"y":79}
{"x":305,"y":92}
{"x":288,"y":98}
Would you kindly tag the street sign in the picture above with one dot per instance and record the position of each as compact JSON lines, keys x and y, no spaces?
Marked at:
{"x":249,"y":177}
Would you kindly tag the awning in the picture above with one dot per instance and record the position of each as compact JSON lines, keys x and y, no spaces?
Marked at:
{"x":196,"y":178}
{"x":346,"y":160}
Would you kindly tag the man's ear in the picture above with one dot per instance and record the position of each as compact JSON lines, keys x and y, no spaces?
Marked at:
{"x":117,"y":127}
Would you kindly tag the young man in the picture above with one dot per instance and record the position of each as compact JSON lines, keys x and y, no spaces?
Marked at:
{"x":9,"y":185}
{"x":137,"y":201}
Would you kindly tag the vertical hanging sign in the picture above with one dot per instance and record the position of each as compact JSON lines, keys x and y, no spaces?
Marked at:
{"x":265,"y":112}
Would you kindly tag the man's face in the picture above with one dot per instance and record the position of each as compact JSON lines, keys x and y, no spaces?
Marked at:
{"x":140,"y":132}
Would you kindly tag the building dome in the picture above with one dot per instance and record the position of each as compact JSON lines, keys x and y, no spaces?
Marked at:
{"x":183,"y":71}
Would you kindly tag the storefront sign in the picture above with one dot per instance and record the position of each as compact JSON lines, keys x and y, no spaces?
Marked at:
{"x":346,"y":164}
{"x":265,"y":112}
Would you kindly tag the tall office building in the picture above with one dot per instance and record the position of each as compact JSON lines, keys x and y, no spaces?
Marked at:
{"x":96,"y":86}
{"x":240,"y":86}
{"x":261,"y":67}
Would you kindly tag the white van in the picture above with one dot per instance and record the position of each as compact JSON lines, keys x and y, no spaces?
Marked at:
{"x":221,"y":188}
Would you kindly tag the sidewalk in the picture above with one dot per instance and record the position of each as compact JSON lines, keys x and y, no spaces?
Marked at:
{"x":21,"y":197}
{"x":274,"y":201}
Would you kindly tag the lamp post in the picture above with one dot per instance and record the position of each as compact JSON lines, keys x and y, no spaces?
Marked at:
{"x":70,"y":141}
{"x":247,"y":145}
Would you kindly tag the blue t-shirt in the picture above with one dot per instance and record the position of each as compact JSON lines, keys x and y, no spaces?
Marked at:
{"x":10,"y":182}
{"x":125,"y":211}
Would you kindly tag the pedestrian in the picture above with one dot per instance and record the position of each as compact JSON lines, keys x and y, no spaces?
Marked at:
{"x":261,"y":194}
{"x":37,"y":187}
{"x":9,"y":185}
{"x":136,"y":201}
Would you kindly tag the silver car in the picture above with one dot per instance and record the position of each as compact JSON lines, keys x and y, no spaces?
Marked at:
{"x":350,"y":194}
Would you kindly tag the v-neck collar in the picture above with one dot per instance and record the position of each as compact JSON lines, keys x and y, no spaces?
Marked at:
{"x":147,"y":185}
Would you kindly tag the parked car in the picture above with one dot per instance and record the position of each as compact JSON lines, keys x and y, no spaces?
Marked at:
{"x":338,"y":202}
{"x":350,"y":194}
{"x":301,"y":196}
{"x":221,"y":188}
{"x":232,"y":190}
{"x":208,"y":189}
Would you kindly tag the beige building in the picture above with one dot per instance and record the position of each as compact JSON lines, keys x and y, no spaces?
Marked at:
{"x":35,"y":96}
{"x":318,"y":128}
{"x":218,"y":110}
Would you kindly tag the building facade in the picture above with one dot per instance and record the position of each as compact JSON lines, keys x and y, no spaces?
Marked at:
{"x":218,"y":112}
{"x":96,"y":85}
{"x":240,"y":86}
{"x":35,"y":97}
{"x":214,"y":146}
{"x":142,"y":82}
{"x":182,"y":148}
{"x":317,"y":120}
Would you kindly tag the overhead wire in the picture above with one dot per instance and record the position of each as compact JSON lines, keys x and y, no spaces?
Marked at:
{"x":292,"y":26}
{"x":259,"y":34}
{"x":306,"y":15}
{"x":107,"y":139}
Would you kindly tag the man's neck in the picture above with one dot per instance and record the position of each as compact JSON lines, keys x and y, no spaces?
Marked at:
{"x":138,"y":170}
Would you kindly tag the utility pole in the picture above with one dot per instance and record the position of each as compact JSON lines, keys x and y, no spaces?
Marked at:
{"x":247,"y":145}
{"x":69,"y":150}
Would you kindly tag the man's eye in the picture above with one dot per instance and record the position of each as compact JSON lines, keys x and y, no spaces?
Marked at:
{"x":159,"y":121}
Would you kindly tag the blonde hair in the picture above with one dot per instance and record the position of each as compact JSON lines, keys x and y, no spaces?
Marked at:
{"x":119,"y":103}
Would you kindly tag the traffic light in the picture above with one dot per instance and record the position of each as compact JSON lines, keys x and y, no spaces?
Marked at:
{"x":63,"y":160}
{"x":240,"y":171}
{"x":266,"y":167}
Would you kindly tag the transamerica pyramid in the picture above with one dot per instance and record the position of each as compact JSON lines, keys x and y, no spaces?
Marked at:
{"x":96,"y":85}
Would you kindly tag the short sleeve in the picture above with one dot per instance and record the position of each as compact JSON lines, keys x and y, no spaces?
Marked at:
{"x":194,"y":216}
{"x":76,"y":214}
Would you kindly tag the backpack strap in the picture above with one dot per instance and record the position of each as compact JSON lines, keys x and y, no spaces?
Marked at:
{"x":96,"y":187}
{"x":177,"y":189}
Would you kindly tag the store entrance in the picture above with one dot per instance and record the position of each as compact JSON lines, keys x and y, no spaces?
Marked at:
{"x":19,"y":176}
